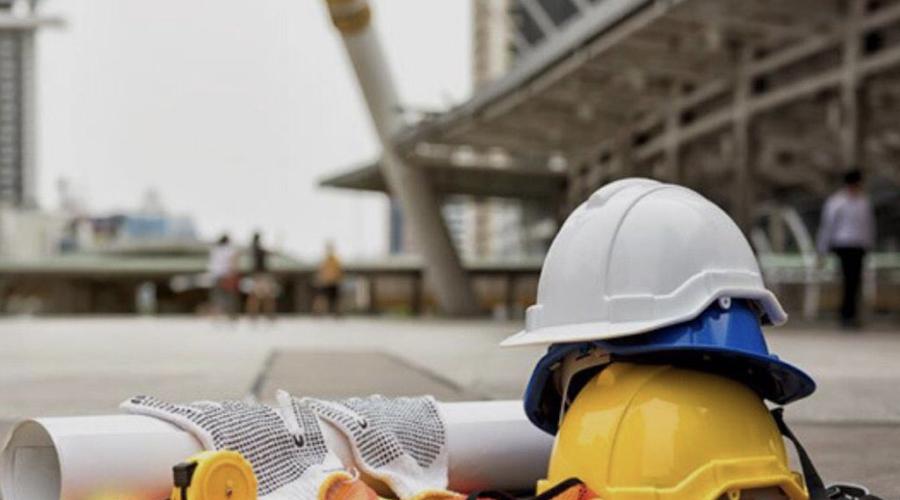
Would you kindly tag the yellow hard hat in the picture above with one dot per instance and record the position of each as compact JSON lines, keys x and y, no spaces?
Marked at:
{"x":638,"y":432}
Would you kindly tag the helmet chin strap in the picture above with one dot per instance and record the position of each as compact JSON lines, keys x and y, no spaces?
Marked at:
{"x":814,"y":483}
{"x":571,"y":366}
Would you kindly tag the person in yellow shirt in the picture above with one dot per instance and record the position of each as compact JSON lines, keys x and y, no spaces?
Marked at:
{"x":328,"y":279}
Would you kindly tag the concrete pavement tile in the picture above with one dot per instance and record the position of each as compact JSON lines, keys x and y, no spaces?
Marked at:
{"x":856,"y":453}
{"x":346,"y":374}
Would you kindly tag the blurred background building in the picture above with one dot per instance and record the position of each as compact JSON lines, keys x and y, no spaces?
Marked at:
{"x":18,"y":24}
{"x":761,"y":106}
{"x":24,"y":229}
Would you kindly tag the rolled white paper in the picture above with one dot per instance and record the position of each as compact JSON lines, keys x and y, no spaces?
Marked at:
{"x":492,"y":445}
{"x":130,"y":457}
{"x":121,"y":457}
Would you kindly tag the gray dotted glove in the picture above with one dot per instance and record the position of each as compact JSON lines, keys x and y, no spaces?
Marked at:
{"x":285,"y":446}
{"x":401,"y":441}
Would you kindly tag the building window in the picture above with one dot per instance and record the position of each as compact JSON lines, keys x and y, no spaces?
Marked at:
{"x":526,"y":25}
{"x":559,"y":11}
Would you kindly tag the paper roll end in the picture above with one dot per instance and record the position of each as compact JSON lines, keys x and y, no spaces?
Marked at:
{"x":29,"y":464}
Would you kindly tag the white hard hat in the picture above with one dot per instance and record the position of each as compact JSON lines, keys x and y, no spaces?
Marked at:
{"x":640,"y":255}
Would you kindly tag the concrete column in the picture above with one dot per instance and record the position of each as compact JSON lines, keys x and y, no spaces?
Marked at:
{"x":491,"y":32}
{"x":673,"y":127}
{"x":850,"y":131}
{"x":743,"y":189}
{"x":417,"y":297}
{"x":372,"y":283}
{"x":777,"y":230}
{"x":510,"y":298}
{"x":420,"y":205}
{"x":624,"y":145}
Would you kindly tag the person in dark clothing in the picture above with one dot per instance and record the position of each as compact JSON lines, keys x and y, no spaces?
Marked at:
{"x":851,"y":259}
{"x":848,"y":229}
{"x":261,"y":298}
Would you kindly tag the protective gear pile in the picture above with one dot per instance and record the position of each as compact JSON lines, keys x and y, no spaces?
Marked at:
{"x":654,"y":381}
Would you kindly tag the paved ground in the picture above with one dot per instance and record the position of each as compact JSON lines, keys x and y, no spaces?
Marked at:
{"x":76,"y":366}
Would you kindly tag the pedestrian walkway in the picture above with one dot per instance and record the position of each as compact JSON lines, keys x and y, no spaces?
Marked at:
{"x":67,"y":366}
{"x":334,"y":374}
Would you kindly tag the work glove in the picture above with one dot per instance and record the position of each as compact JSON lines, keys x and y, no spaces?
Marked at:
{"x":399,"y":441}
{"x":285,"y":446}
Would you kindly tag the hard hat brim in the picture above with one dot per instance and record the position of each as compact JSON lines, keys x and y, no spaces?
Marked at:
{"x":771,"y":378}
{"x":771,"y":314}
{"x":727,"y":342}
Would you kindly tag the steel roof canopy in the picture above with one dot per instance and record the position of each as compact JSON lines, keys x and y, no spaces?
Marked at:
{"x":617,"y":62}
{"x":476,"y":181}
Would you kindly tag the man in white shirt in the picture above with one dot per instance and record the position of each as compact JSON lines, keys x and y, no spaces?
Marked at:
{"x":847,"y":228}
{"x":223,"y":268}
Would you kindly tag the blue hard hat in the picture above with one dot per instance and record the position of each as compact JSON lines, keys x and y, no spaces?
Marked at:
{"x":725,"y":339}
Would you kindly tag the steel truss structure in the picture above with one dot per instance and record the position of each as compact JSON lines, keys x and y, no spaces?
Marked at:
{"x":747,"y":102}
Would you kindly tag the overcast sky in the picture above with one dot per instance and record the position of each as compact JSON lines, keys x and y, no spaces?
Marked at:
{"x":233,"y":109}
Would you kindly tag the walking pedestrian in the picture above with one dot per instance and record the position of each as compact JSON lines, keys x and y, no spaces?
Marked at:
{"x":847,"y":229}
{"x":223,"y":269}
{"x":264,"y":290}
{"x":328,"y":279}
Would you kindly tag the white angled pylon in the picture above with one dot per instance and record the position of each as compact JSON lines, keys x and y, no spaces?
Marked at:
{"x":420,"y":205}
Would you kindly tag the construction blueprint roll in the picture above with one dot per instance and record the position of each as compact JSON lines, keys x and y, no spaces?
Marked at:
{"x":130,"y":457}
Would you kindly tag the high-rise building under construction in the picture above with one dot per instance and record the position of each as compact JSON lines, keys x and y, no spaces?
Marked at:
{"x":17,"y":102}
